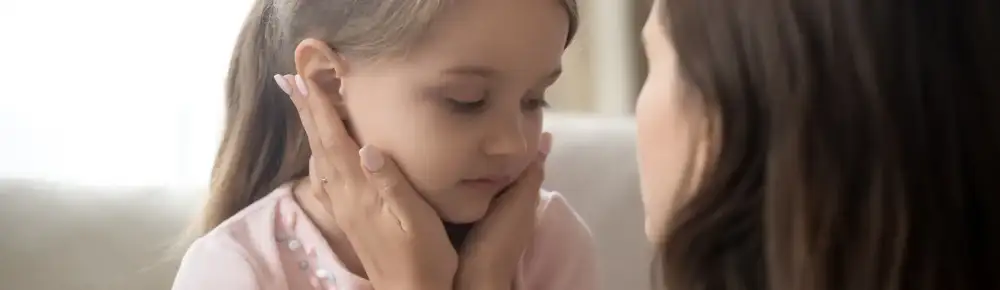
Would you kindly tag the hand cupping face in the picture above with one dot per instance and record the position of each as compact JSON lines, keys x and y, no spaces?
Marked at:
{"x":397,"y":235}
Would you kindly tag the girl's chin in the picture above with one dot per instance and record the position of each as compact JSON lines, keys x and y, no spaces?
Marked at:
{"x":466,"y":214}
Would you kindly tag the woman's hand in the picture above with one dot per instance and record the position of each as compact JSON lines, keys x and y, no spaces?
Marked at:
{"x":398,"y":237}
{"x":490,"y":257}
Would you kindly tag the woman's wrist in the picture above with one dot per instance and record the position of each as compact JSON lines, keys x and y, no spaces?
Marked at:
{"x":484,"y":284}
{"x":411,"y":283}
{"x":419,"y":286}
{"x":482,"y":279}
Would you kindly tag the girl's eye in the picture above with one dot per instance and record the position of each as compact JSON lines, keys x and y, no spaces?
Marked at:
{"x":466,"y":107}
{"x":535,"y":103}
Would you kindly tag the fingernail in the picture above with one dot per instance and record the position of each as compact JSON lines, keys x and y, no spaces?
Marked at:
{"x":302,"y":85}
{"x":545,"y":144}
{"x":371,"y":158}
{"x":283,"y":84}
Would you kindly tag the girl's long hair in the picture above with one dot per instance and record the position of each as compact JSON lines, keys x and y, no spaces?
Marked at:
{"x":264,"y":144}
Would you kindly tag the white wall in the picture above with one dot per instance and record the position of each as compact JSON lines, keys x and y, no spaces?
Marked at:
{"x":83,"y":103}
{"x":601,"y":75}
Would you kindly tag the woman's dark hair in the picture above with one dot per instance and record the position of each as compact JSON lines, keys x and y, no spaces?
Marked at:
{"x":856,"y":145}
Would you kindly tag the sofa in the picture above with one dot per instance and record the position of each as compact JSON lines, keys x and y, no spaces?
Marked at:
{"x":66,"y":237}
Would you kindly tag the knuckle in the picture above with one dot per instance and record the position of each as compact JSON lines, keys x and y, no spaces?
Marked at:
{"x":358,"y":206}
{"x":539,"y":173}
{"x":329,"y":145}
{"x":388,"y":185}
{"x":352,"y":222}
{"x":365,"y":198}
{"x":532,"y":179}
{"x":301,"y":108}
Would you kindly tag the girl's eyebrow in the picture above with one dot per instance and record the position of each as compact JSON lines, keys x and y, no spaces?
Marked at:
{"x":473,"y":70}
{"x":489,"y":72}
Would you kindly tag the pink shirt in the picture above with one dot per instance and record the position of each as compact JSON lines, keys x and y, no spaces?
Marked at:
{"x":272,"y":245}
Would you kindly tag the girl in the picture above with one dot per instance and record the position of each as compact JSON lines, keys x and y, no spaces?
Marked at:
{"x":451,"y":91}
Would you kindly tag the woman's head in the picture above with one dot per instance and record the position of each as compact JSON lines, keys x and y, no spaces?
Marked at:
{"x":821,"y":144}
{"x":451,"y":89}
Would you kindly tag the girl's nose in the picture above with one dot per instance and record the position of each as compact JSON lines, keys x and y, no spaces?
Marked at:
{"x":506,"y":139}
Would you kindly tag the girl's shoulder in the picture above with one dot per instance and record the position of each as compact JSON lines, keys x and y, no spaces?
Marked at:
{"x":555,"y":213}
{"x":563,"y":253}
{"x":259,"y":220}
{"x":240,"y":253}
{"x":553,"y":200}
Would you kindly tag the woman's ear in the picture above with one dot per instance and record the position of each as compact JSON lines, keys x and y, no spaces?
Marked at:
{"x":319,"y":64}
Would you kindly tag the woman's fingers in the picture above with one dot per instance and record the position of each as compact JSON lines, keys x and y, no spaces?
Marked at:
{"x":316,"y":186}
{"x":497,"y":242}
{"x":518,"y":204}
{"x":326,"y":133}
{"x":397,"y":235}
{"x":338,"y":145}
{"x":393,"y":188}
{"x":305,"y":116}
{"x":514,"y":211}
{"x":525,"y":189}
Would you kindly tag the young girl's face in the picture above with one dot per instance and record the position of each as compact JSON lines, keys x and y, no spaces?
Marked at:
{"x":462,"y":113}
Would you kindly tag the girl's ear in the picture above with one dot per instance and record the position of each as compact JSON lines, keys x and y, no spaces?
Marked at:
{"x":319,"y":64}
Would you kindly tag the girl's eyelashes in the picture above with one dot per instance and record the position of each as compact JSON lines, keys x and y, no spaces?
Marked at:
{"x":466,"y":106}
{"x":473,"y":101}
{"x":535,"y":101}
{"x":533,"y":104}
{"x":461,"y":97}
{"x":471,"y":107}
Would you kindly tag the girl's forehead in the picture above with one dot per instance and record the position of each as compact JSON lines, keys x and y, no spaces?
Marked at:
{"x":493,"y":39}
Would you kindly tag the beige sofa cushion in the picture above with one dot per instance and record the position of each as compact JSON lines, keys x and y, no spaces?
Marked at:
{"x":593,"y":164}
{"x":68,"y":238}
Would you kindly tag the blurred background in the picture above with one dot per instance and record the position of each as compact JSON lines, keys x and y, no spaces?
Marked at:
{"x":83,"y":101}
{"x":111,"y":111}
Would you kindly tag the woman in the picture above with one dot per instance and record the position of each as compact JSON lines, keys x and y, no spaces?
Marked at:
{"x":798,"y":144}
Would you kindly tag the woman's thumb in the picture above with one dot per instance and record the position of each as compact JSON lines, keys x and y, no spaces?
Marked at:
{"x":371,"y":159}
{"x":527,"y":187}
{"x":544,"y":145}
{"x":383,"y":173}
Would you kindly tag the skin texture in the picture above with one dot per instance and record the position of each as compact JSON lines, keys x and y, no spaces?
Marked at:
{"x":670,"y":130}
{"x":465,"y":103}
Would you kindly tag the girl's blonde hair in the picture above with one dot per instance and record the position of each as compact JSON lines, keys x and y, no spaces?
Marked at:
{"x":264,"y":144}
